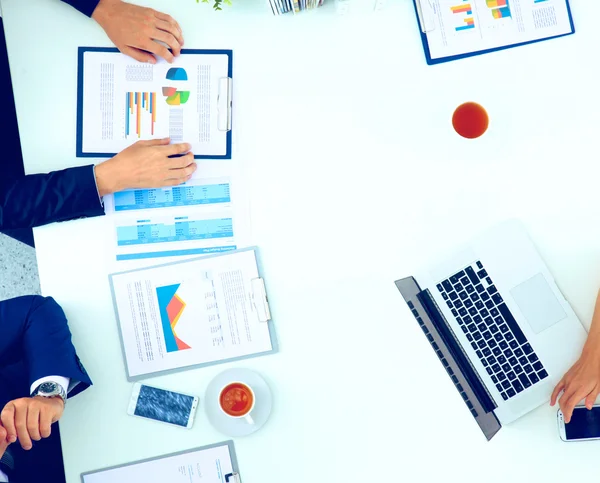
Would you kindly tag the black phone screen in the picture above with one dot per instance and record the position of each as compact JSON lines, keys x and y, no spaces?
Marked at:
{"x":585,"y":423}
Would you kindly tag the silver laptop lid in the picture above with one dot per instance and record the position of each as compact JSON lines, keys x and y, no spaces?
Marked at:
{"x":451,"y":355}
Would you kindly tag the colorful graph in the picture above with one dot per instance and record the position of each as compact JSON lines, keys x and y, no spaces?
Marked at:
{"x":171,"y":307}
{"x":468,"y":21}
{"x":500,"y":8}
{"x":135,"y":104}
{"x":501,"y":12}
{"x":462,"y":9}
{"x":177,"y":74}
{"x":174,"y":96}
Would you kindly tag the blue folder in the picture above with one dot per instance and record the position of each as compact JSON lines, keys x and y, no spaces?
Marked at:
{"x":441,"y":60}
{"x":81,"y":100}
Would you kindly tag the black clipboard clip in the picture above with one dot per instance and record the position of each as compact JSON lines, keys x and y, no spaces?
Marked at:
{"x":233,"y":478}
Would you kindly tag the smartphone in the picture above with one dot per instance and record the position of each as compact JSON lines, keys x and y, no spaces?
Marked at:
{"x":584,"y":425}
{"x":161,"y":405}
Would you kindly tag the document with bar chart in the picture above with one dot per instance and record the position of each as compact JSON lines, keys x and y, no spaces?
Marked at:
{"x":122,"y":101}
{"x":453,"y":29}
{"x":197,"y":312}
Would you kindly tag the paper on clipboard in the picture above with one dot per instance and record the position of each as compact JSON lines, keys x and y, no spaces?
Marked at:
{"x":198,"y":312}
{"x":210,"y":464}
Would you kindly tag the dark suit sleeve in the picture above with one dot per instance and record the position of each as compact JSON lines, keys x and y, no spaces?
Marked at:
{"x":86,"y":7}
{"x":34,"y":330}
{"x":39,"y":199}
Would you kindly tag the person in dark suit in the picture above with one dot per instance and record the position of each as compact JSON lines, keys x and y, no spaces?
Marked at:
{"x":28,"y":201}
{"x":39,"y":370}
{"x":39,"y":367}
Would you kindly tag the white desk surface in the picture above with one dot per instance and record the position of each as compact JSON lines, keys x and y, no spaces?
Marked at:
{"x":357,"y":179}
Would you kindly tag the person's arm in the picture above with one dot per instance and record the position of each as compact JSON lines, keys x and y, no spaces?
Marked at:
{"x":38,"y":199}
{"x":34,"y":329}
{"x":582,"y":381}
{"x":133,"y":29}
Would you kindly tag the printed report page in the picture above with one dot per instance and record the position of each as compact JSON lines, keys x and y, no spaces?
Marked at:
{"x":466,"y":26}
{"x":203,"y":466}
{"x":125,"y":101}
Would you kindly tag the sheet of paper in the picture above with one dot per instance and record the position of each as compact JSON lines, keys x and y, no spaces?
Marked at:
{"x":464,"y":26}
{"x":211,"y":465}
{"x":203,"y":216}
{"x":188,"y":313}
{"x":125,"y":101}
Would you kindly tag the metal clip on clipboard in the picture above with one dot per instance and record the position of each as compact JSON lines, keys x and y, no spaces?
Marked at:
{"x":260,"y":300}
{"x":426,"y":13}
{"x":233,"y":478}
{"x":224,"y":103}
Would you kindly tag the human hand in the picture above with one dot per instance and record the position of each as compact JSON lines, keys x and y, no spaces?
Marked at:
{"x":3,"y":441}
{"x":582,"y":381}
{"x":30,"y":418}
{"x":136,"y":30}
{"x":146,"y":164}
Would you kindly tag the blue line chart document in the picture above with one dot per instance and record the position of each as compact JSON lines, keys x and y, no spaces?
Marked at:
{"x":206,"y":215}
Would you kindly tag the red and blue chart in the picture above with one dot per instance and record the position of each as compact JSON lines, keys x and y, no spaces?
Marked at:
{"x":171,"y":307}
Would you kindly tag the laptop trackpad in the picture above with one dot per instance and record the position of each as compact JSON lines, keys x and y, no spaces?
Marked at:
{"x":538,"y":303}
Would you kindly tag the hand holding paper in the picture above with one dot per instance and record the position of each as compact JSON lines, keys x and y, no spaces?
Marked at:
{"x":135,"y":30}
{"x":146,"y":164}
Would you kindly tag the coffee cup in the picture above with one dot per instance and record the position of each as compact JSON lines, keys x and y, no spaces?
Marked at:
{"x":237,"y":401}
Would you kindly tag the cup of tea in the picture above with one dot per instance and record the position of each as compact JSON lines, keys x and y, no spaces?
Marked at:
{"x":237,"y":401}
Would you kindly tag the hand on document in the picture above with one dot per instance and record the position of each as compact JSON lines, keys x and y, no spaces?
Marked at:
{"x":136,"y":30}
{"x":146,"y":164}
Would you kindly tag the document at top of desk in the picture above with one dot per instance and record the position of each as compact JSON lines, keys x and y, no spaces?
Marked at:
{"x":198,"y":312}
{"x":452,"y":29}
{"x":121,"y":101}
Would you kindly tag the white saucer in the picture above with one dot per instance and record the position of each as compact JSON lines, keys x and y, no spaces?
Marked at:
{"x":238,"y":427}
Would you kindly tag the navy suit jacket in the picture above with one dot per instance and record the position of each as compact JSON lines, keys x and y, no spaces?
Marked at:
{"x":35,"y":342}
{"x":39,"y":199}
{"x":34,"y":200}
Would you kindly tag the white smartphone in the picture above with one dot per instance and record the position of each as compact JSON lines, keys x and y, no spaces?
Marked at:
{"x":584,"y":425}
{"x":161,"y":405}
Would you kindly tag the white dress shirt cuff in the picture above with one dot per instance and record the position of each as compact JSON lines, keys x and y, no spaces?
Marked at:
{"x":65,"y":382}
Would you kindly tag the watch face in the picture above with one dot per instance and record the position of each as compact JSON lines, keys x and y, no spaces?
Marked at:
{"x":48,"y":388}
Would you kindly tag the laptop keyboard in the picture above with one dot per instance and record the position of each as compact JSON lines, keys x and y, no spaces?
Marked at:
{"x":492,"y":331}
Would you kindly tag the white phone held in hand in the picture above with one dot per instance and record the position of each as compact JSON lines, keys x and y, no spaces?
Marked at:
{"x":584,"y":424}
{"x":162,"y":405}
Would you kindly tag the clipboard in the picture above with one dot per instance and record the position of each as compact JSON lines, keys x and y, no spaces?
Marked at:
{"x":228,"y":477}
{"x":424,"y":10}
{"x":224,"y":101}
{"x":259,"y":300}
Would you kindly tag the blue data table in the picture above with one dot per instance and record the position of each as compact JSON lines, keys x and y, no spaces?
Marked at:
{"x":186,"y":195}
{"x":182,"y":230}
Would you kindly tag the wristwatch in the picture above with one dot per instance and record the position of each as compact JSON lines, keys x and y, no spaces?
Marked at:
{"x":50,"y":389}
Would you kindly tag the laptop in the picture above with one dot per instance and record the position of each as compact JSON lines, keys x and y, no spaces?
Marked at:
{"x":498,"y":323}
